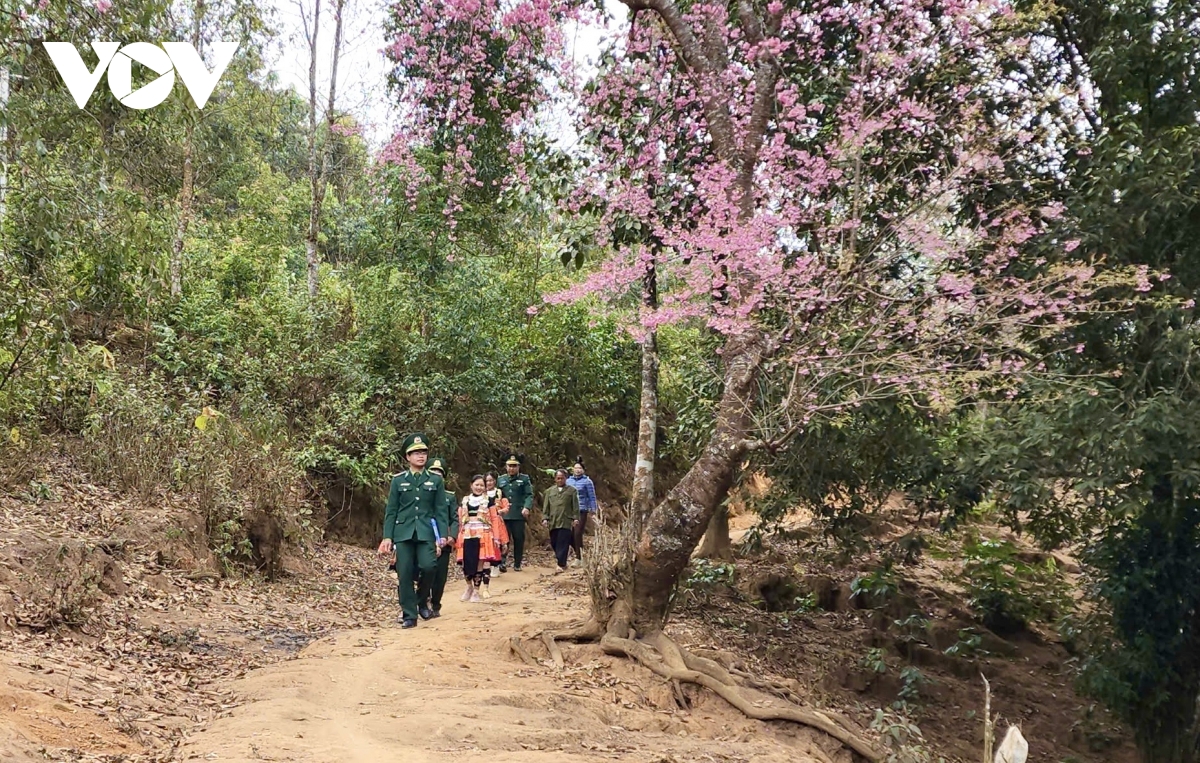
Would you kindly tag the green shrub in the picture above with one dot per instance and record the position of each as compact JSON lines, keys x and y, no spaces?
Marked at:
{"x":1007,"y":593}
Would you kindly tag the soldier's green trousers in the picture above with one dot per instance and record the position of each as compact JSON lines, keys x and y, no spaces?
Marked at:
{"x":414,"y":558}
{"x":516,"y":539}
{"x":441,"y":572}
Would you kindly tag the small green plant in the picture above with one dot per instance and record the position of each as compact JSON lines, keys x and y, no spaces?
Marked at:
{"x":911,"y":681}
{"x":913,"y":629}
{"x":39,"y":491}
{"x":875,"y":660}
{"x":230,"y":544}
{"x":902,"y":737}
{"x":709,"y":574}
{"x":802,"y":605}
{"x":968,"y":645}
{"x":805,"y":604}
{"x":1008,"y":593}
{"x":878,"y":584}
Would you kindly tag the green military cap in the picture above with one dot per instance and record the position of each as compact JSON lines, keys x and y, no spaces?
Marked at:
{"x":512,"y":459}
{"x":436,"y":465}
{"x":415,"y":441}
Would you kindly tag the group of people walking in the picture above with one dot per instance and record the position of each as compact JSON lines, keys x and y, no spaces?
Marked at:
{"x":424,"y":526}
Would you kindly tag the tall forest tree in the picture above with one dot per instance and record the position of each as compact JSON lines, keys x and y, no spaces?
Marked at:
{"x":822,"y":158}
{"x":1114,"y":464}
{"x":320,"y":142}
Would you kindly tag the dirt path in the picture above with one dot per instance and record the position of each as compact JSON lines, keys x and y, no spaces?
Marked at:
{"x":451,"y":686}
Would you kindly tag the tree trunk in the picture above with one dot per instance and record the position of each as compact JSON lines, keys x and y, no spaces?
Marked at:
{"x":319,"y":173}
{"x":185,"y":215}
{"x":717,"y":544}
{"x":316,"y":187}
{"x":647,"y":446}
{"x":677,"y":524}
{"x":187,"y":187}
{"x":3,"y":152}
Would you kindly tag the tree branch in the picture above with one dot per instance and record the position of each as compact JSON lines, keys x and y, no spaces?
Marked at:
{"x":702,"y":69}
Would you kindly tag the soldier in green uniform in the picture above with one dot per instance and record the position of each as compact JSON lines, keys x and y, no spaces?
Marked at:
{"x":448,"y":523}
{"x":518,"y":489}
{"x":413,"y":504}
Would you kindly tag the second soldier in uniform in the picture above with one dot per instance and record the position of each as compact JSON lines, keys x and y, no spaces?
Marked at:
{"x":518,"y":489}
{"x":447,"y":518}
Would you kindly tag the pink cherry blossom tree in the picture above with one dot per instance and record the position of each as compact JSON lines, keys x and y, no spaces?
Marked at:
{"x":822,"y":184}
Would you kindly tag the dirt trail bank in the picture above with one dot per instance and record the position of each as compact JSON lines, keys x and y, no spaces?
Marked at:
{"x":452,"y":687}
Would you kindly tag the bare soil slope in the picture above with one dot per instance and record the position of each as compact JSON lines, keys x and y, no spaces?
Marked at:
{"x":453,"y":687}
{"x":118,"y":642}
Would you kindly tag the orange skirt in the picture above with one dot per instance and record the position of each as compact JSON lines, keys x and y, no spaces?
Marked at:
{"x":490,"y":532}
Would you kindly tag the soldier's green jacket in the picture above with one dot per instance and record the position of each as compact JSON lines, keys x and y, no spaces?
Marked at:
{"x":519,"y":492}
{"x":561,"y":506}
{"x":414,"y":499}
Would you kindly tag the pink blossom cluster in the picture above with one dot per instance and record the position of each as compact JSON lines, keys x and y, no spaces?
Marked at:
{"x":464,"y":69}
{"x":814,"y":169}
{"x":818,"y":172}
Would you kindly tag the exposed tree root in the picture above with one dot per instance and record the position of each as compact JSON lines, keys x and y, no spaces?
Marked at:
{"x":521,"y":652}
{"x":552,"y":647}
{"x":672,"y":663}
{"x":784,"y":689}
{"x":680,"y":698}
{"x":584,"y":632}
{"x":720,"y":672}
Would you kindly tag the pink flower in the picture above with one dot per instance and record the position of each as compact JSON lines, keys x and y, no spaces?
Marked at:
{"x":103,"y":6}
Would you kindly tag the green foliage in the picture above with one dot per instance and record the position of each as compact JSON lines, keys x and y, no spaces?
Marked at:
{"x":1118,"y":458}
{"x":911,"y":681}
{"x":803,"y":605}
{"x":874,"y":660}
{"x":707,"y":574}
{"x":690,"y":383}
{"x":1142,"y":656}
{"x":968,"y":645}
{"x":413,"y":328}
{"x":845,"y":469}
{"x":806,"y":603}
{"x":877,"y":585}
{"x":913,"y":628}
{"x":134,"y":435}
{"x":1006,"y":592}
{"x":902,"y":738}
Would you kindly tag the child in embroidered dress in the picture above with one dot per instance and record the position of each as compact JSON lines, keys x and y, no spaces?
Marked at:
{"x":478,"y":539}
{"x":497,"y":508}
